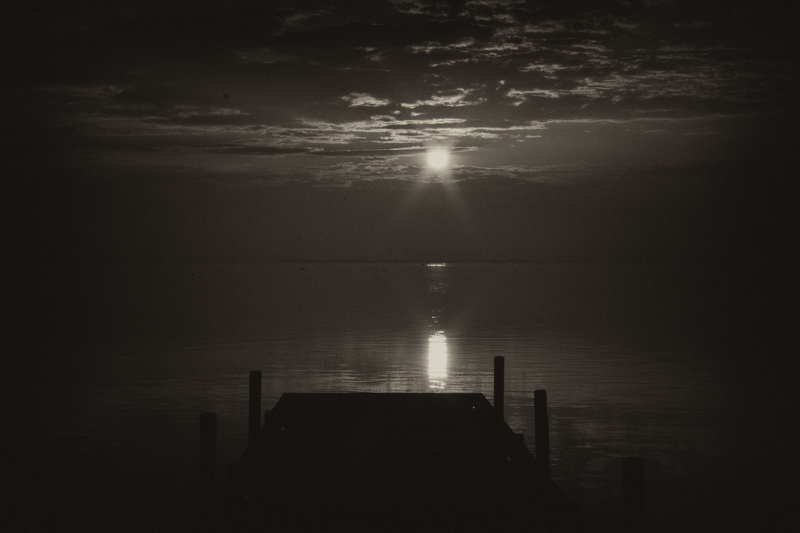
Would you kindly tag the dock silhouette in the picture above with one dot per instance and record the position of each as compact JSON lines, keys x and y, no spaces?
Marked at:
{"x":384,"y":462}
{"x":389,"y":462}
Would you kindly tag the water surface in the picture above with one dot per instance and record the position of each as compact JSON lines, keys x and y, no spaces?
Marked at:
{"x":637,"y":359}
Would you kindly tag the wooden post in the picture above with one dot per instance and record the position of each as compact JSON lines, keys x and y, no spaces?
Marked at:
{"x":208,"y":448}
{"x":542,"y":430}
{"x":633,"y":493}
{"x":499,"y":383}
{"x":254,"y":421}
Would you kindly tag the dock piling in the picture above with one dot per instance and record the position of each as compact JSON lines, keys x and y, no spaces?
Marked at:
{"x":208,"y":448}
{"x":633,"y":494}
{"x":254,"y":422}
{"x":499,"y":384}
{"x":542,"y":430}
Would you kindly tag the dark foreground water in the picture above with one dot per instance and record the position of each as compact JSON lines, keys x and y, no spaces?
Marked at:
{"x":685,"y":366}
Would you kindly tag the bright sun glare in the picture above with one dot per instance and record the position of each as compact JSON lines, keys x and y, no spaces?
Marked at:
{"x":438,"y":158}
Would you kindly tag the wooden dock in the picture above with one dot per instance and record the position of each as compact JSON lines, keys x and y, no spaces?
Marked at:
{"x":372,"y":462}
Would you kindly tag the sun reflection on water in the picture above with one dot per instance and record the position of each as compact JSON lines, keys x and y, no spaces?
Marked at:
{"x":437,"y":360}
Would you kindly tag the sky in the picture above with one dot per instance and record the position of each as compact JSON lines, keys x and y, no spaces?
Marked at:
{"x":624,"y":130}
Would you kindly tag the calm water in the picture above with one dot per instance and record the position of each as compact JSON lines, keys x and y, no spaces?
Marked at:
{"x":647,"y":360}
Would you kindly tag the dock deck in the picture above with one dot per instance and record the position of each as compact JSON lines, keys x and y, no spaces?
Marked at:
{"x":389,"y":462}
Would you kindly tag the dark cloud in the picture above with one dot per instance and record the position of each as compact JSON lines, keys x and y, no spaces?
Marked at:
{"x":252,"y":150}
{"x":371,"y":34}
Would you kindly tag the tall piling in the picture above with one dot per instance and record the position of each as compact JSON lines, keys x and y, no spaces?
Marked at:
{"x":499,"y":385}
{"x":207,"y":463}
{"x":254,"y":418}
{"x":633,"y":494}
{"x":541,"y":428}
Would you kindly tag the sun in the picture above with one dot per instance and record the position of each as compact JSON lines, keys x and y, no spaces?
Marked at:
{"x":438,"y":158}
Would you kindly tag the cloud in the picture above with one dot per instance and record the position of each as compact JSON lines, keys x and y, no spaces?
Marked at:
{"x":365,"y":100}
{"x":243,"y":149}
{"x":191,"y":111}
{"x":425,"y":122}
{"x":428,"y":9}
{"x":521,"y":96}
{"x":563,"y":174}
{"x":374,"y":152}
{"x":88,"y":92}
{"x":451,"y":98}
{"x":302,"y":20}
